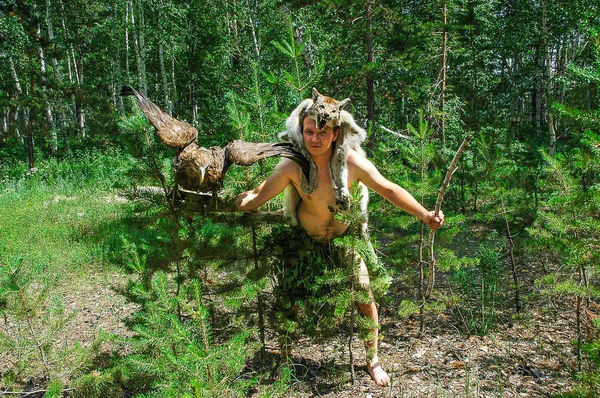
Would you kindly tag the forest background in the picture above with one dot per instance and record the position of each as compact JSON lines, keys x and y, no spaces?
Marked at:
{"x":188,"y":296}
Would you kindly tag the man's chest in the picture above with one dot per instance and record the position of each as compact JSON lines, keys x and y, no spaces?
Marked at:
{"x":323,"y":195}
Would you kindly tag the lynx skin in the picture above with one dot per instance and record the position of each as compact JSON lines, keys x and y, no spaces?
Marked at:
{"x":326,"y":111}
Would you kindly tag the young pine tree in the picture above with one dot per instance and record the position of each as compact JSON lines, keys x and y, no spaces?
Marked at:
{"x":568,"y":227}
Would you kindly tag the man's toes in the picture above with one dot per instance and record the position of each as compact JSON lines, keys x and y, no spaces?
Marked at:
{"x":379,"y":376}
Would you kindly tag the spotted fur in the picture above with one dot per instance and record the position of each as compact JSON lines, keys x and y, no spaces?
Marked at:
{"x":326,"y":111}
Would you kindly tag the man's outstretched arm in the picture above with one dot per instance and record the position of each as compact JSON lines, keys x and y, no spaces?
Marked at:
{"x":368,"y":174}
{"x":268,"y":189}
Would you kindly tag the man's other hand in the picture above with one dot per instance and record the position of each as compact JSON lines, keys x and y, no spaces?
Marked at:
{"x":433,"y":221}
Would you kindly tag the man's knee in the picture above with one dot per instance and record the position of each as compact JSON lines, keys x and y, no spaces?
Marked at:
{"x":363,"y":276}
{"x":360,"y":271}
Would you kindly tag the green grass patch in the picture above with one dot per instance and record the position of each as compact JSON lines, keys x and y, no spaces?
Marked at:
{"x":57,"y":226}
{"x":60,"y":214}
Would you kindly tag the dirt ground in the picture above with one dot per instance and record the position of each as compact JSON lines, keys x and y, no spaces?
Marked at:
{"x":529,"y":357}
{"x":532,"y":358}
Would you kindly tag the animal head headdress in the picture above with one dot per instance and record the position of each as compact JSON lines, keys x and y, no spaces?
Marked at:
{"x":326,"y":111}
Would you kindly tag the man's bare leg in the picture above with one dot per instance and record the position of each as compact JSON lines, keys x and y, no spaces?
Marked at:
{"x":380,"y":377}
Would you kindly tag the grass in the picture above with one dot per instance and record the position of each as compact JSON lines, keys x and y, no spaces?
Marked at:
{"x":56,"y":214}
{"x":57,"y":223}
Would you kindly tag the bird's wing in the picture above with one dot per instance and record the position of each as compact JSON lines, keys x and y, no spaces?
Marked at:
{"x":246,"y":153}
{"x":172,"y":132}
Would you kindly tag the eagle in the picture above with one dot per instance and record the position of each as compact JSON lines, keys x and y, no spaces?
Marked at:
{"x":203,"y":169}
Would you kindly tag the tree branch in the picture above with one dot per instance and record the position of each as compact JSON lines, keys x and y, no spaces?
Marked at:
{"x":217,"y":209}
{"x":438,"y":204}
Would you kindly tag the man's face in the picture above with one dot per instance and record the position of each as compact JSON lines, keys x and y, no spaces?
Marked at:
{"x":318,"y":142}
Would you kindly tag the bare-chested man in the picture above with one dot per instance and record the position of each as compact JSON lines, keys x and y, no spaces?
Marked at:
{"x":314,"y":214}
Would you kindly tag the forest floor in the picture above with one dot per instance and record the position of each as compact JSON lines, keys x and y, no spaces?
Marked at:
{"x":531,"y":356}
{"x":527,"y":358}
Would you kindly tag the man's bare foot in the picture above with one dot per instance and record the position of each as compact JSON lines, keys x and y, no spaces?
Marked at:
{"x":379,"y":376}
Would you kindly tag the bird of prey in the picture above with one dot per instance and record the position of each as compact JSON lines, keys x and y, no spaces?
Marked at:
{"x":200,"y":169}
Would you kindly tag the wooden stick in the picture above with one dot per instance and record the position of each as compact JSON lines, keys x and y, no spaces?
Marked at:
{"x":438,"y":204}
{"x":206,"y":204}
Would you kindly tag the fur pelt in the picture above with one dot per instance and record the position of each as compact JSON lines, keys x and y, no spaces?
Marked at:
{"x":351,"y":136}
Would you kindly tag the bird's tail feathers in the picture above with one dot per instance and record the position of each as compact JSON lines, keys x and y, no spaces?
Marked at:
{"x":148,"y":107}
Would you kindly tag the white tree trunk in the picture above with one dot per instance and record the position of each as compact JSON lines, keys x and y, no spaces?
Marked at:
{"x":142,"y":42}
{"x":13,"y":73}
{"x":253,"y":28}
{"x":161,"y":58}
{"x":50,"y":28}
{"x":174,"y":85}
{"x":140,"y":51}
{"x":127,"y":39}
{"x":549,"y":117}
{"x":49,"y":112}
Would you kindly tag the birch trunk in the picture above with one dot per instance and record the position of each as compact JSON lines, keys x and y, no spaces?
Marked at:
{"x":370,"y":80}
{"x":253,"y":29}
{"x":127,"y":39}
{"x":79,"y":111}
{"x":549,"y":117}
{"x":139,"y":44}
{"x":13,"y":73}
{"x":142,"y":43}
{"x":27,"y":128}
{"x":117,"y":82}
{"x":173,"y":83}
{"x":50,"y":28}
{"x":5,"y":118}
{"x":161,"y":58}
{"x":232,"y":30}
{"x":49,"y":111}
{"x":64,"y":27}
{"x":443,"y":71}
{"x":30,"y":142}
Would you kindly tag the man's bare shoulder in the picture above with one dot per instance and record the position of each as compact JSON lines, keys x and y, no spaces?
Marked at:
{"x":352,"y":155}
{"x":360,"y":168}
{"x":287,"y":168}
{"x":357,"y":160}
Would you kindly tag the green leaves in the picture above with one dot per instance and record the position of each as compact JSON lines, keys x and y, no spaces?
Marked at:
{"x":290,"y":49}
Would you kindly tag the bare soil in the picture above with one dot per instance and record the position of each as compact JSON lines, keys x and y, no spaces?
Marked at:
{"x":528,"y":358}
{"x":532,"y":356}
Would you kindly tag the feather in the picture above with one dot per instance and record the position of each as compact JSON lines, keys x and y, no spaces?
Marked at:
{"x":200,"y":169}
{"x":172,"y":132}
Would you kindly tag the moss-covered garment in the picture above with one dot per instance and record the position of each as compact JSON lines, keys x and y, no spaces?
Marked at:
{"x":322,"y":278}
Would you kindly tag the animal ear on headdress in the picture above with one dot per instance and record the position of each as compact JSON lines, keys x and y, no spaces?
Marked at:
{"x":315,"y":94}
{"x":343,"y":103}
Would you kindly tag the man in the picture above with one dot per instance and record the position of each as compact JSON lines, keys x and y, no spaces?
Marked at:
{"x":314,"y":214}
